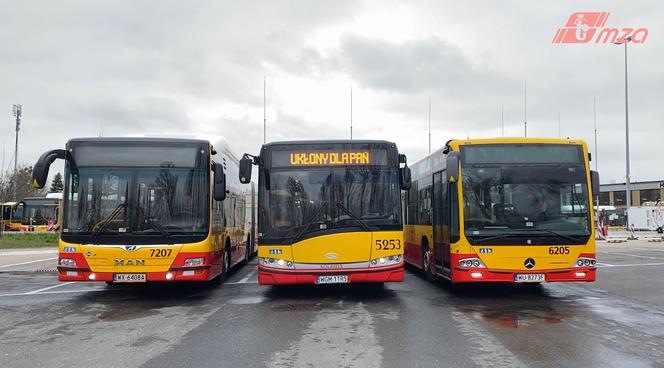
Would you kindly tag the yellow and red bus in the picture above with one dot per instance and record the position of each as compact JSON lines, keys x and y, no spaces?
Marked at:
{"x":505,"y":209}
{"x":12,"y":212}
{"x":142,"y":209}
{"x":41,"y":214}
{"x":329,"y":211}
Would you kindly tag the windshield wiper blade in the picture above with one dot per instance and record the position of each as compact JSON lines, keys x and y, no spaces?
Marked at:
{"x":156,"y":225}
{"x":359,"y":221}
{"x":107,"y":220}
{"x":308,"y":223}
{"x":495,"y":237}
{"x":568,"y":237}
{"x":525,"y":232}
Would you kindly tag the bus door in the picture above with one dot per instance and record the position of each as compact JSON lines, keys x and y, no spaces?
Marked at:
{"x":441,"y":236}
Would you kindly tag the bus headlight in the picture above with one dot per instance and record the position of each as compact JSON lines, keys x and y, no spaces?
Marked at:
{"x":277,"y":263}
{"x":191,"y":262}
{"x":585,"y":262}
{"x":68,"y":262}
{"x":471,"y":262}
{"x":385,"y":261}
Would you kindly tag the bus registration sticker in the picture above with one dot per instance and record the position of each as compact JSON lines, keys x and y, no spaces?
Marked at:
{"x":529,"y":277}
{"x":129,"y":277}
{"x":332,"y":279}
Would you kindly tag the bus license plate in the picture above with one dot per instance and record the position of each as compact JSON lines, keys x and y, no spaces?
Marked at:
{"x":129,"y":277}
{"x":334,"y":279}
{"x":529,"y":277}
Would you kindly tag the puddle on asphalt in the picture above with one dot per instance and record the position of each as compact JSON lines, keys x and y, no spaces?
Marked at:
{"x":514,"y":319}
{"x":125,"y":314}
{"x":296,"y":307}
{"x":248,"y":300}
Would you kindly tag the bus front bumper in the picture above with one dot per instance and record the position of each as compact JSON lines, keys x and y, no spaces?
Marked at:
{"x":272,"y":276}
{"x":84,"y":274}
{"x":586,"y":274}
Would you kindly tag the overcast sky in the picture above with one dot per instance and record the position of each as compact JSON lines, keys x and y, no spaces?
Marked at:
{"x":83,"y":68}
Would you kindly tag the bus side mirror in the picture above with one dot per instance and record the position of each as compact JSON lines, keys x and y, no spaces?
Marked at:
{"x":594,"y":182}
{"x":40,"y":170}
{"x":219,"y":182}
{"x":245,"y":169}
{"x":404,"y":178}
{"x":452,"y":170}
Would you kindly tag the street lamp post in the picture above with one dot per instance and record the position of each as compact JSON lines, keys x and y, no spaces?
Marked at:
{"x":628,"y":194}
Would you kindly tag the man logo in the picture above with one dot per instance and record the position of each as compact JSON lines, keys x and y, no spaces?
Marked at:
{"x":331,"y":256}
{"x":130,"y":262}
{"x":130,"y":247}
{"x":529,"y":263}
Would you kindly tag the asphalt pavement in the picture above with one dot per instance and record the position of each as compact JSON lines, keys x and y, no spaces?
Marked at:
{"x":617,"y":321}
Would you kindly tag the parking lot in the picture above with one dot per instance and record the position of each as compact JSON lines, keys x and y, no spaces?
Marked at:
{"x":615,"y":321}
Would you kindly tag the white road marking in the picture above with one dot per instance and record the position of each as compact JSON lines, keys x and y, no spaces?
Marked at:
{"x":28,"y":252}
{"x":245,"y":279}
{"x":604,"y":264}
{"x":639,"y":256}
{"x":25,"y":263}
{"x":635,"y":265}
{"x":60,"y":292}
{"x":240,"y":282}
{"x":335,"y":338}
{"x":49,"y":288}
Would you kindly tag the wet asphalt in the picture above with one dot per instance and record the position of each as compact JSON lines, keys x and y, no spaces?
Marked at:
{"x":617,"y":321}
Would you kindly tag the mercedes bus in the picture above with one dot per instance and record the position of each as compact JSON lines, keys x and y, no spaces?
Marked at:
{"x":329,"y":211}
{"x":507,"y":209}
{"x":142,"y":209}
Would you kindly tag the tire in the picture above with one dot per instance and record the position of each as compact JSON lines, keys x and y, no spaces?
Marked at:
{"x":225,"y":264}
{"x":426,"y":261}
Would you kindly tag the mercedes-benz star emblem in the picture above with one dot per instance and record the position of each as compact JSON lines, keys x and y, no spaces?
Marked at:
{"x":529,"y":263}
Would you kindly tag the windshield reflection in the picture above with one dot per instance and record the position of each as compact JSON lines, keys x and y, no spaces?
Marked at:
{"x":541,"y":198}
{"x":174,"y":198}
{"x":295,"y":200}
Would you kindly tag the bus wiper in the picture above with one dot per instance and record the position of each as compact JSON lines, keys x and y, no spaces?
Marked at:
{"x":107,"y":220}
{"x":359,"y":221}
{"x":155,"y":224}
{"x":568,"y":237}
{"x":495,"y":237}
{"x":308,"y":223}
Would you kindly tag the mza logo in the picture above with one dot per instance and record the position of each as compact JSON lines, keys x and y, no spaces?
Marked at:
{"x":583,"y":27}
{"x":274,"y":251}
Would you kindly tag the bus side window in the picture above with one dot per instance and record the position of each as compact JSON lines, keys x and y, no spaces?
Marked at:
{"x":454,"y":212}
{"x":445,"y":208}
{"x":425,"y":206}
{"x":412,"y":204}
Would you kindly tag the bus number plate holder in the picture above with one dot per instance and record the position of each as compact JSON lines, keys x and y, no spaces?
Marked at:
{"x":529,"y":277}
{"x":129,"y":277}
{"x":332,"y":279}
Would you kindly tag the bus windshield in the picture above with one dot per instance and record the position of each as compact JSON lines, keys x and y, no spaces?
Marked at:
{"x":329,"y":198}
{"x":532,"y":199}
{"x":36,"y":212}
{"x":130,"y":200}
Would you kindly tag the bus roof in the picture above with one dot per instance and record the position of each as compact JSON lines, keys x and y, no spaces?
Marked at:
{"x":424,"y":164}
{"x":217,"y":141}
{"x":329,"y":141}
{"x":455,"y":143}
